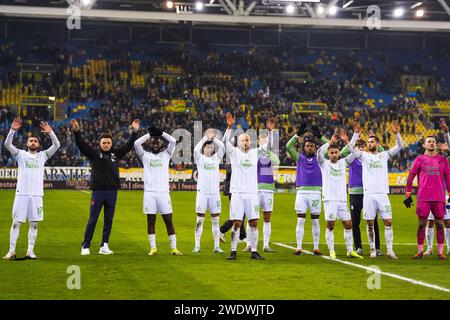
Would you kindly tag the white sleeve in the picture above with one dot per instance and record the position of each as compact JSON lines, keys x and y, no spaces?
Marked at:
{"x":447,"y":139}
{"x":354,"y":138}
{"x":229,"y":147}
{"x":138,"y":145}
{"x":8,"y":143}
{"x":198,"y":149}
{"x":398,"y":147}
{"x":55,"y":145}
{"x":320,"y":153}
{"x":221,"y":146}
{"x":172,"y":142}
{"x":358,"y":154}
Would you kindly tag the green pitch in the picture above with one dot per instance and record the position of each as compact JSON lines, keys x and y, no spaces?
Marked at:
{"x":131,"y":274}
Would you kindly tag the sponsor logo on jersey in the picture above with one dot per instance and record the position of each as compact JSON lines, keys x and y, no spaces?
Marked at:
{"x":209,"y":166}
{"x":432,"y":170}
{"x":32,"y":164}
{"x":246,"y":163}
{"x":155,"y":163}
{"x":375,"y":164}
{"x":336,"y":172}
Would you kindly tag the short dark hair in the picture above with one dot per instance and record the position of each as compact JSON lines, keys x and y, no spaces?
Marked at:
{"x":333,"y":146}
{"x":429,"y":137}
{"x":376,"y":139}
{"x":105,"y":136}
{"x":205,"y":144}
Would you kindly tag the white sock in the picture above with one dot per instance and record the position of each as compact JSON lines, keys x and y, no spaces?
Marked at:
{"x":13,"y":236}
{"x":429,"y":235}
{"x":32,"y":235}
{"x":371,"y":237}
{"x":316,"y":233}
{"x":198,"y":230}
{"x":152,"y":240}
{"x":215,"y":231}
{"x":329,"y":236}
{"x":447,"y":238}
{"x":234,"y":238}
{"x":267,"y":231}
{"x":348,"y":237}
{"x":173,"y":241}
{"x":299,"y":231}
{"x":389,"y":235}
{"x":253,"y":238}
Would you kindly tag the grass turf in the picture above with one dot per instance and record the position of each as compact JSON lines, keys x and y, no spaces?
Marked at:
{"x":131,"y":274}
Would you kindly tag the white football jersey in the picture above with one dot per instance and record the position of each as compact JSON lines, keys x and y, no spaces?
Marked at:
{"x":156,"y":171}
{"x":30,"y":176}
{"x":208,"y":181}
{"x":244,"y":171}
{"x":334,"y":185}
{"x":375,"y":172}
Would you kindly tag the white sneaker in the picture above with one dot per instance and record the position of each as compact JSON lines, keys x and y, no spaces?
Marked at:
{"x":85,"y":251}
{"x":391,"y":255}
{"x":429,"y":252}
{"x":218,"y":250}
{"x":105,"y":250}
{"x":10,"y":256}
{"x":31,"y":255}
{"x":373,"y":254}
{"x":222,"y":237}
{"x":196,"y":250}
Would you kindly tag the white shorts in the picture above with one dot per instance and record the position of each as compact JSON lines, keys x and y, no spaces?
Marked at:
{"x":244,"y":204}
{"x":373,"y":203}
{"x":265,"y":201}
{"x":313,"y":201}
{"x":446,"y":216}
{"x":28,"y":207}
{"x":155,"y":202}
{"x":336,"y":210}
{"x":204,"y":202}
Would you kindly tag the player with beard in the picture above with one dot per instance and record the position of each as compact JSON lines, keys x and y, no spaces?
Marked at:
{"x":28,"y":201}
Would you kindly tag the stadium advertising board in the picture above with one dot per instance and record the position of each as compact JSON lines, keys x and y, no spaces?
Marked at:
{"x":132,"y":179}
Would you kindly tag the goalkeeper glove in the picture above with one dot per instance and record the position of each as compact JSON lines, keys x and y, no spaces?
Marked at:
{"x":316,"y":131}
{"x":301,"y":130}
{"x":408,"y":200}
{"x":155,"y":132}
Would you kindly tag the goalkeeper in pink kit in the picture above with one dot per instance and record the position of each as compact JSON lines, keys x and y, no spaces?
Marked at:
{"x":433,"y":171}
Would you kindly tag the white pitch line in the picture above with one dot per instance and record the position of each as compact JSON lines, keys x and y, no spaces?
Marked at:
{"x":366,"y":243}
{"x":388,"y":274}
{"x":84,"y":191}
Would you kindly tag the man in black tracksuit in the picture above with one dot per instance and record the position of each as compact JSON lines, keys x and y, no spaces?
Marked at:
{"x":105,"y":181}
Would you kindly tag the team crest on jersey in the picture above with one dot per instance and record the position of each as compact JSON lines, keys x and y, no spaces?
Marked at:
{"x":246,"y":163}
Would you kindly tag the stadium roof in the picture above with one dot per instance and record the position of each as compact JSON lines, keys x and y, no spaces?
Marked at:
{"x":343,"y":14}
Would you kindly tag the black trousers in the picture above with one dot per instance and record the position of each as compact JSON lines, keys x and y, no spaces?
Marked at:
{"x":227,"y":225}
{"x":106,"y":199}
{"x":356,"y":206}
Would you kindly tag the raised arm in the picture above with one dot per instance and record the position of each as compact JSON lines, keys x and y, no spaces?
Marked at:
{"x":198,"y":148}
{"x":55,"y":142}
{"x":17,"y":123}
{"x":138,"y":145}
{"x":85,"y":149}
{"x":321,"y":153}
{"x":290,"y":147}
{"x":399,"y":146}
{"x":123,"y":150}
{"x":221,"y":148}
{"x":172,"y":143}
{"x":228,"y":146}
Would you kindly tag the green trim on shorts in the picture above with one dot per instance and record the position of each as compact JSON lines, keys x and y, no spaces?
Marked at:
{"x":356,"y":190}
{"x":266,"y":186}
{"x":309,"y":188}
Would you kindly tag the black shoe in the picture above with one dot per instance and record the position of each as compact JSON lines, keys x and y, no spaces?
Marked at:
{"x":233,"y":256}
{"x":318,"y":253}
{"x":255,"y":255}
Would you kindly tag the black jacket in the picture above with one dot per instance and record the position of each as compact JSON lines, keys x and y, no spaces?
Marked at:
{"x":104,"y":165}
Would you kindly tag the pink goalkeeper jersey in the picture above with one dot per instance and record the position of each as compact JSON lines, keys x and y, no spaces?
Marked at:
{"x":433,"y":174}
